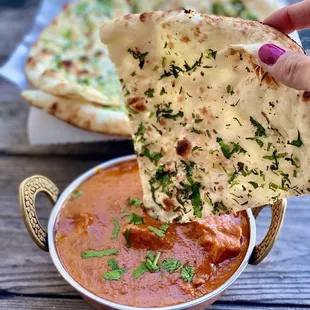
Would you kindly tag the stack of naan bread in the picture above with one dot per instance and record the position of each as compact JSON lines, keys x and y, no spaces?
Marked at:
{"x":74,"y":77}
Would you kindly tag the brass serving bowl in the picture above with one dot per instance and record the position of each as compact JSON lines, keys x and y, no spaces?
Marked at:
{"x":30,"y":187}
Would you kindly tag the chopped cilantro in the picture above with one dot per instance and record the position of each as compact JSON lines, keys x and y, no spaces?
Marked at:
{"x":163,"y":91}
{"x":196,"y":131}
{"x":116,"y":229}
{"x":133,"y":73}
{"x":136,"y":219}
{"x":275,"y":157}
{"x":138,"y":272}
{"x":198,"y":120}
{"x":159,"y":131}
{"x":254,"y":184}
{"x":151,"y":261}
{"x":161,"y":233}
{"x":155,"y":157}
{"x":90,"y":254}
{"x":76,"y":195}
{"x":211,"y":53}
{"x":150,"y":92}
{"x":195,"y":65}
{"x":134,"y":202}
{"x":139,"y":135}
{"x":229,"y":90}
{"x":165,"y":111}
{"x":187,"y":273}
{"x":173,"y":71}
{"x":171,"y":264}
{"x":219,"y":207}
{"x":226,"y":149}
{"x":260,"y":131}
{"x":164,"y":227}
{"x":248,"y":69}
{"x":138,"y":55}
{"x":298,"y":142}
{"x":197,"y":148}
{"x":115,"y":273}
{"x":259,"y":142}
{"x":113,"y":264}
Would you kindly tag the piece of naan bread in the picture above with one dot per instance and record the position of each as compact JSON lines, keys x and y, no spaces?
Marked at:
{"x":247,"y":9}
{"x":213,"y":132}
{"x":69,"y":59}
{"x":86,"y":115}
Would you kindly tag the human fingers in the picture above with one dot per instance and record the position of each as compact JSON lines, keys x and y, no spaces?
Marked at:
{"x":288,"y":67}
{"x":291,"y":18}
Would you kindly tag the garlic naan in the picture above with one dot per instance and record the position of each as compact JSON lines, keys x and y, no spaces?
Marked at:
{"x":83,"y":114}
{"x":69,"y":59}
{"x":212,"y":131}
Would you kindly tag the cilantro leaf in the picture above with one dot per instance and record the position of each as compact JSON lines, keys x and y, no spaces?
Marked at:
{"x":150,"y":92}
{"x":108,"y":252}
{"x":113,"y":264}
{"x":76,"y":195}
{"x":164,"y":227}
{"x":258,"y":141}
{"x":254,"y":184}
{"x":138,"y":55}
{"x":165,"y":111}
{"x":171,"y":264}
{"x":139,"y":134}
{"x":163,"y":91}
{"x":211,"y":53}
{"x":226,"y":149}
{"x":116,"y":229}
{"x":114,"y":275}
{"x":260,"y":132}
{"x":187,"y":273}
{"x":138,"y":272}
{"x":158,"y":232}
{"x":155,"y":157}
{"x":151,"y":261}
{"x":136,"y":219}
{"x":134,"y":202}
{"x":298,"y":142}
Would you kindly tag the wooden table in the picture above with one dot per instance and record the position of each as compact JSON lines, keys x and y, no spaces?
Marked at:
{"x":28,"y":279}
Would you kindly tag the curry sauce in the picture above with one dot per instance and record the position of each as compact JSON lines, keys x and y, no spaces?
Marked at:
{"x":148,"y":263}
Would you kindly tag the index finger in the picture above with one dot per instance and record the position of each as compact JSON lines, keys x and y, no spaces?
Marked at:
{"x":291,"y":18}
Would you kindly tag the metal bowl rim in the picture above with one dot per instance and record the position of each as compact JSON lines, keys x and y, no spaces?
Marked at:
{"x":57,"y":262}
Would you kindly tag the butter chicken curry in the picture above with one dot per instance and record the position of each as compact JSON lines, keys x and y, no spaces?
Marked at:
{"x":111,"y":247}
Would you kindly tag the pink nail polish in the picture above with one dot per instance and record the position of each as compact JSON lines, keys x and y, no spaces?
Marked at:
{"x":270,"y":53}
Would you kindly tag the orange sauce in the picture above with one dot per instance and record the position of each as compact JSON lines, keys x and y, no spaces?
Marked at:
{"x":214,"y":247}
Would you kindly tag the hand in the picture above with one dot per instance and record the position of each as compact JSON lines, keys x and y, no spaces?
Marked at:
{"x":290,"y":68}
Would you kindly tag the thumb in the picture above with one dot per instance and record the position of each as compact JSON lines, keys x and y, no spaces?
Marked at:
{"x":289,"y":68}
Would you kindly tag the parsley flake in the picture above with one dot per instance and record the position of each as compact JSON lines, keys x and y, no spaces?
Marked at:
{"x":116,"y":229}
{"x":187,"y":273}
{"x":150,"y":92}
{"x":171,"y":265}
{"x":103,"y":253}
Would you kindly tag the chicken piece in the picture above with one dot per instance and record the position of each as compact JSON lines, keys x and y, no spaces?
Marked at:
{"x":219,"y":236}
{"x":142,"y":238}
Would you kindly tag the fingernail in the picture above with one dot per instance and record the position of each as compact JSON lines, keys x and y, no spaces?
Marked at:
{"x":270,"y":53}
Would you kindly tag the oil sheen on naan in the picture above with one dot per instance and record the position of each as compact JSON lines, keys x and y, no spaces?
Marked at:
{"x":212,"y":131}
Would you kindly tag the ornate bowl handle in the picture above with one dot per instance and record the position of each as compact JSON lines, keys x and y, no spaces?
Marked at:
{"x":28,"y":190}
{"x":277,"y":216}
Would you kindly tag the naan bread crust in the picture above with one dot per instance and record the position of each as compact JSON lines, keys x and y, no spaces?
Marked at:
{"x":213,"y":132}
{"x":69,"y":59}
{"x":83,"y":114}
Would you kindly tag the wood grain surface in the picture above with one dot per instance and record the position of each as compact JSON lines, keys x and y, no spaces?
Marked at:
{"x":28,"y":279}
